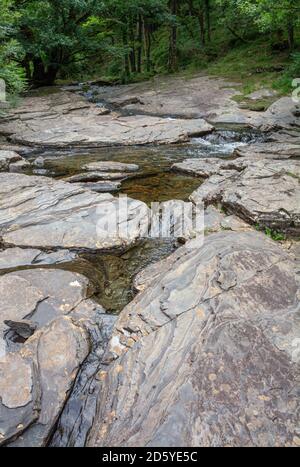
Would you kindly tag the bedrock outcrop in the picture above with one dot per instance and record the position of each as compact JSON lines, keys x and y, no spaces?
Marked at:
{"x":263,"y":192}
{"x":67,"y":120}
{"x":208,"y":353}
{"x":38,"y":369}
{"x":40,"y":212}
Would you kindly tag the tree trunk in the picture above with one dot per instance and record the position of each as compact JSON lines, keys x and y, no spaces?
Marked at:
{"x":26,"y":65}
{"x":147,"y":40}
{"x":132,"y":51}
{"x":291,"y":35}
{"x":126,"y":57}
{"x":202,"y":27}
{"x":43,"y":76}
{"x":173,"y":39}
{"x":140,"y":40}
{"x":207,"y":13}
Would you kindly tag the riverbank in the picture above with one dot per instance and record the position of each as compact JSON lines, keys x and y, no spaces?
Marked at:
{"x":206,"y":337}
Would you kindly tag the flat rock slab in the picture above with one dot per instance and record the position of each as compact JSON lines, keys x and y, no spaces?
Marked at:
{"x":208,"y":354}
{"x":103,"y":166}
{"x":67,"y":120}
{"x":43,"y":213}
{"x":262,"y":192}
{"x":96,"y":176}
{"x":37,"y":375}
{"x":199,"y":96}
{"x":18,"y":257}
{"x":269,"y":151}
{"x":101,"y":186}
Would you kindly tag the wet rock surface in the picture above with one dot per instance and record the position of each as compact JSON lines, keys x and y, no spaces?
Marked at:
{"x":100,"y":186}
{"x":97,"y":176}
{"x":103,"y":166}
{"x":207,"y":354}
{"x":38,"y":372}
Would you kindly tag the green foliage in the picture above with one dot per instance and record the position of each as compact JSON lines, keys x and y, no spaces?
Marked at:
{"x":128,"y":40}
{"x":294,"y":68}
{"x":274,"y":235}
{"x":10,"y":50}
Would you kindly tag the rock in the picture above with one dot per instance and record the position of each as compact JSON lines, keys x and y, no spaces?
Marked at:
{"x":19,"y":166}
{"x":58,"y":350}
{"x":24,"y":328}
{"x":199,"y":96}
{"x":262,"y":192}
{"x":205,"y":167}
{"x":103,"y":166}
{"x":279,"y":116}
{"x":267,"y":194}
{"x":261,"y":94}
{"x":20,"y":398}
{"x":67,"y":120}
{"x":269,"y":151}
{"x":39,"y":162}
{"x":208,"y":354}
{"x":43,"y":172}
{"x":17,"y":257}
{"x":39,"y":295}
{"x":79,"y":411}
{"x":42,"y":213}
{"x":96,"y":176}
{"x":7,"y":158}
{"x":20,"y":150}
{"x":51,"y":311}
{"x":101,"y":186}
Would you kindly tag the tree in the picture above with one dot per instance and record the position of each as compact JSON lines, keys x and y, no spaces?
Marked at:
{"x":10,"y":50}
{"x":269,"y":15}
{"x":54,"y":33}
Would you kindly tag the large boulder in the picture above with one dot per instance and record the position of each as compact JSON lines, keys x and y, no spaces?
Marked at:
{"x":208,"y":353}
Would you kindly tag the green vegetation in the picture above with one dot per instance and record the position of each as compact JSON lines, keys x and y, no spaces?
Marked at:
{"x":252,"y":41}
{"x":277,"y":236}
{"x":273,"y":234}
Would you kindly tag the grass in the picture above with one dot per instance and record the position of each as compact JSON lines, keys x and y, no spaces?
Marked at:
{"x":255,"y":66}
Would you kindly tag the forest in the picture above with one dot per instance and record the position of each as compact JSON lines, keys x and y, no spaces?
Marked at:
{"x":42,"y":41}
